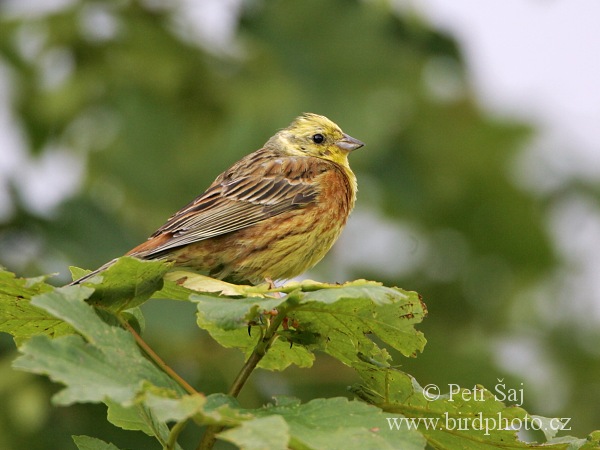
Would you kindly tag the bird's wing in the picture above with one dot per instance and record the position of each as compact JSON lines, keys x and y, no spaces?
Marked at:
{"x":239,"y":198}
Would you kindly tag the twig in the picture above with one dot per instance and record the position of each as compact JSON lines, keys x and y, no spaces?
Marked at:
{"x":174,"y":434}
{"x":263,"y":345}
{"x":157,"y":360}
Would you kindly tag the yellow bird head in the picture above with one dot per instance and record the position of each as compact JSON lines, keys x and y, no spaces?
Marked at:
{"x":314,"y":135}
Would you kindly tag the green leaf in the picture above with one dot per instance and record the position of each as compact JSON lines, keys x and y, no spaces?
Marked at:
{"x":232,"y":313}
{"x":106,"y":365}
{"x":225,"y":410}
{"x":195,"y":282}
{"x":227,"y":319}
{"x":127,"y":282}
{"x":175,"y":409}
{"x":138,"y":417}
{"x":592,"y":441}
{"x":467,"y":419}
{"x":340,"y":423}
{"x":333,"y":318}
{"x":77,"y":273}
{"x":173,"y":291}
{"x":181,"y":284}
{"x":270,"y":432}
{"x":92,"y":443}
{"x":283,"y":354}
{"x":19,"y":317}
{"x":344,"y":315}
{"x":322,"y":423}
{"x":132,"y":417}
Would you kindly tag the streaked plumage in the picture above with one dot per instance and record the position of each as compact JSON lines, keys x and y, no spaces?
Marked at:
{"x":272,"y":215}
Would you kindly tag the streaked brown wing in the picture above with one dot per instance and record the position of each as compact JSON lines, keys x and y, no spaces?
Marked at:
{"x":241,"y":197}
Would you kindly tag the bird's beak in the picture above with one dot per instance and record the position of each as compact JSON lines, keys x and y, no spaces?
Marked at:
{"x":348,"y":143}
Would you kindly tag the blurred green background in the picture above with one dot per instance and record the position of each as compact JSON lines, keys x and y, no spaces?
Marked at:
{"x":121,"y":112}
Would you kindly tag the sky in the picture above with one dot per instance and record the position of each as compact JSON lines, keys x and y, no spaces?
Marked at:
{"x":537,"y":60}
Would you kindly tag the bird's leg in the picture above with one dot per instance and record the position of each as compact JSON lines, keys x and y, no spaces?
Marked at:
{"x":273,"y":312}
{"x":286,"y":322}
{"x":272,"y":285}
{"x":270,"y":282}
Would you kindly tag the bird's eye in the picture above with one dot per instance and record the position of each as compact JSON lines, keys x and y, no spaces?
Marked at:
{"x":318,"y":138}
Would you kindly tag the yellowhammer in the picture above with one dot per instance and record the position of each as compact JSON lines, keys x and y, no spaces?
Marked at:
{"x":272,"y":215}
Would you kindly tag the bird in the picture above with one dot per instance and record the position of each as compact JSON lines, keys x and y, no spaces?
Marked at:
{"x":272,"y":215}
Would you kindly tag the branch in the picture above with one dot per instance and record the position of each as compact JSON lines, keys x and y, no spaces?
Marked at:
{"x":264,"y":343}
{"x":157,"y":360}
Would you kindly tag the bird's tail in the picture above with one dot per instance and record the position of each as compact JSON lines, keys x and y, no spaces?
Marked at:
{"x":93,"y":273}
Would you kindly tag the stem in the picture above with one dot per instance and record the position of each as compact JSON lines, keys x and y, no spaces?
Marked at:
{"x":251,"y":363}
{"x":157,"y":360}
{"x":263,"y":345}
{"x":174,"y":434}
